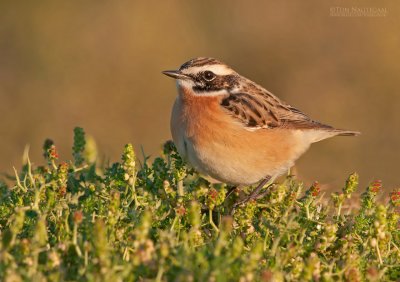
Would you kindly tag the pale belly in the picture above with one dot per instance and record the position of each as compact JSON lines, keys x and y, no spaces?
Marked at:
{"x":239,"y":161}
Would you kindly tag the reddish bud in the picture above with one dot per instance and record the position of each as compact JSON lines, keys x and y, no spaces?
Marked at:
{"x":62,"y":191}
{"x":180,"y":210}
{"x":315,"y":189}
{"x":213,"y":194}
{"x":375,"y":186}
{"x":78,"y":217}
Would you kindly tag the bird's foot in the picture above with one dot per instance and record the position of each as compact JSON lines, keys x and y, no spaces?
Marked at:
{"x":255,"y":194}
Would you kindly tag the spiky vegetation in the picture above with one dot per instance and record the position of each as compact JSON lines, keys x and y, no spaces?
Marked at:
{"x":75,"y":221}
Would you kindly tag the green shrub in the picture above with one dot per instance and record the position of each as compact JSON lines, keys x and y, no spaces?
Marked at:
{"x":77,"y":221}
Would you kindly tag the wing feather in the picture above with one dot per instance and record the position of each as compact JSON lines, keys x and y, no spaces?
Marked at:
{"x":256,"y":108}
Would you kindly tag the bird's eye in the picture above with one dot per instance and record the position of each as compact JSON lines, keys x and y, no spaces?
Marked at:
{"x":209,"y":75}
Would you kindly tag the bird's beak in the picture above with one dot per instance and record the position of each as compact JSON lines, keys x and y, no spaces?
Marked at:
{"x":175,"y":74}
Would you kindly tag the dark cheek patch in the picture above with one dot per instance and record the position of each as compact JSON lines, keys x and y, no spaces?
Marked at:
{"x":220,"y":82}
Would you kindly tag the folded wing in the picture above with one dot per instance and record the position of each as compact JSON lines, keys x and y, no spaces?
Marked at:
{"x":259,"y":109}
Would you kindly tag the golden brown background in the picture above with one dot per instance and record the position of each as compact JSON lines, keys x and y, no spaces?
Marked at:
{"x":97,"y":64}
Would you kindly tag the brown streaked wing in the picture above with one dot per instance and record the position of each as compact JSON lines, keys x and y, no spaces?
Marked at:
{"x":267,"y":111}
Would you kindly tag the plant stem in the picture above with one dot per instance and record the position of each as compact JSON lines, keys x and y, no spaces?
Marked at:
{"x":160,"y":273}
{"x":212,"y":222}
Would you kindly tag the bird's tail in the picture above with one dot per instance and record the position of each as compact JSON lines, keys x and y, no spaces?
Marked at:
{"x":321,"y":134}
{"x":341,"y":132}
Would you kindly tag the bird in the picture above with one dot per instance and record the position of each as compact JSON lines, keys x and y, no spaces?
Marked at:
{"x":232,"y":130}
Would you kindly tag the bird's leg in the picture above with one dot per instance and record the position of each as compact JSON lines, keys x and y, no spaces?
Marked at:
{"x":230,"y":191}
{"x":255,"y":193}
{"x":261,"y":195}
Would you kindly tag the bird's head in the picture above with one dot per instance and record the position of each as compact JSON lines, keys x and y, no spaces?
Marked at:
{"x":205,"y":76}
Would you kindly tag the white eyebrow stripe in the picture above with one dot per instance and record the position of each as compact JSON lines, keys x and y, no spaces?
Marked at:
{"x":217,"y":69}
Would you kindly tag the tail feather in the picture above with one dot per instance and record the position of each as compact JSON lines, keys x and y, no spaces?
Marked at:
{"x":341,"y":132}
{"x":315,"y":135}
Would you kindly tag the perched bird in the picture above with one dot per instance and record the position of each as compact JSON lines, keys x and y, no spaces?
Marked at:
{"x":235,"y":131}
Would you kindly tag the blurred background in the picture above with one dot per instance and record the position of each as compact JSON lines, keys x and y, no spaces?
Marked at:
{"x":97,"y":64}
